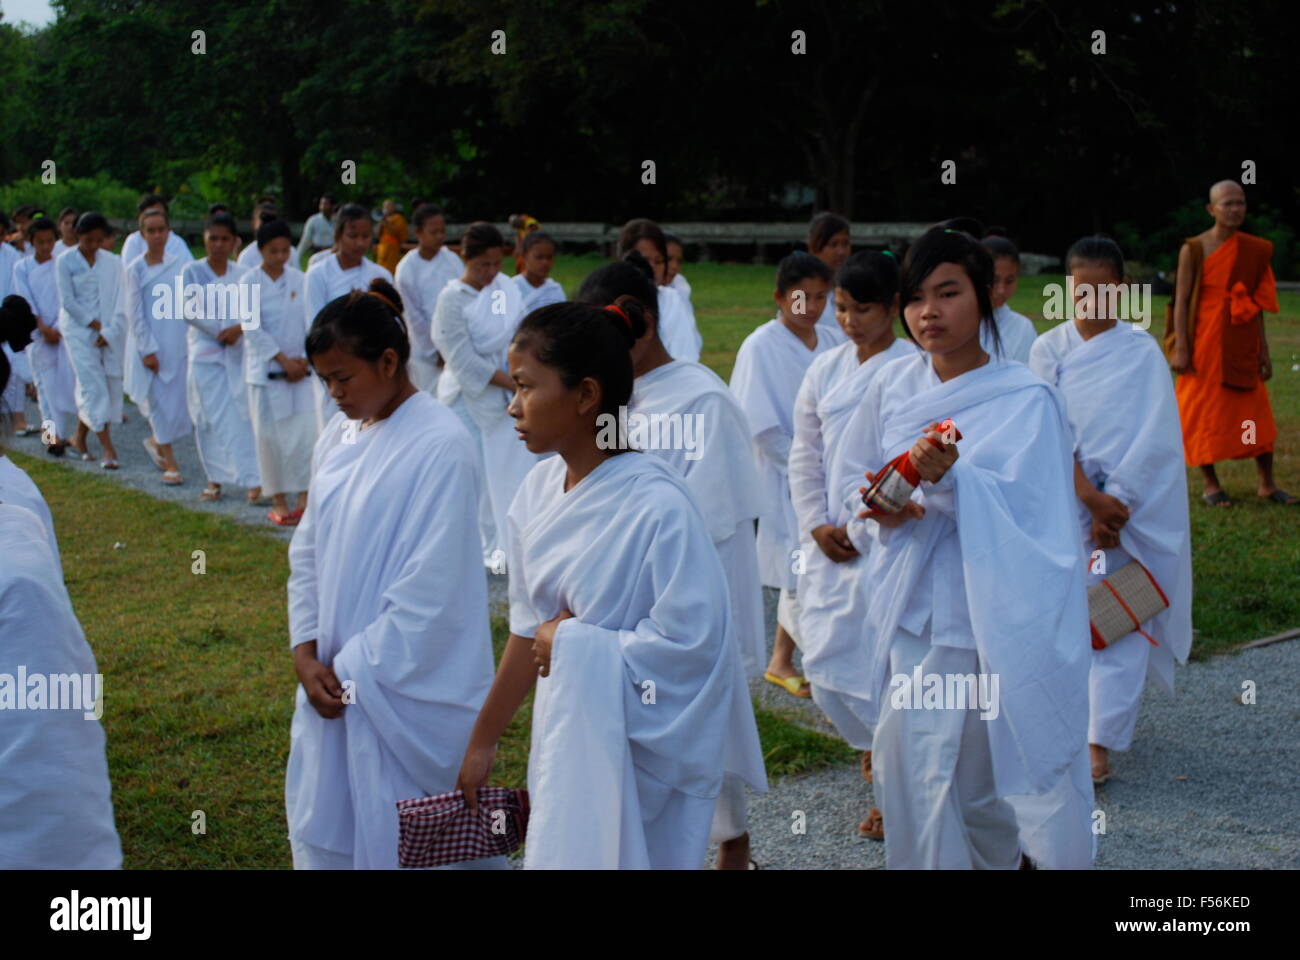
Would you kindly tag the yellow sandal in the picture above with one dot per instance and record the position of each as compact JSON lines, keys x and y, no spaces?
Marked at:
{"x":791,"y":685}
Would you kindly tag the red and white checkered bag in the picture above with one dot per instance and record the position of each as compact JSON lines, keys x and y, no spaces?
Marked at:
{"x":435,"y":831}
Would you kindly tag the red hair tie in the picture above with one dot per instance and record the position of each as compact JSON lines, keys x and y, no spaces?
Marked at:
{"x":615,"y":308}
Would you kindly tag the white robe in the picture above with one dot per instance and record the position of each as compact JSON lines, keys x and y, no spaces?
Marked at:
{"x":160,"y":396}
{"x":770,"y":365}
{"x":250,"y":258}
{"x":630,"y":730}
{"x":55,"y":797}
{"x":677,"y":328}
{"x":537,"y":297}
{"x":682,"y":286}
{"x":833,"y":597}
{"x":14,"y":398}
{"x":18,"y":488}
{"x":283,"y":414}
{"x":134,"y":245}
{"x":995,"y":570}
{"x":215,"y":391}
{"x":87,"y":294}
{"x":385,"y":578}
{"x":56,"y":383}
{"x":327,"y":281}
{"x":420,"y":281}
{"x":9,"y":258}
{"x":1016,"y":332}
{"x":473,"y":338}
{"x":1128,"y":446}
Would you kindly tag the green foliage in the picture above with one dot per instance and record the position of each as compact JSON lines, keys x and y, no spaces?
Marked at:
{"x":1159,"y":247}
{"x":100,"y":192}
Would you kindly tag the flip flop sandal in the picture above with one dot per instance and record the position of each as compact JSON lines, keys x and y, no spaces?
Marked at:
{"x":282,"y":519}
{"x":110,"y":464}
{"x":210,"y":493}
{"x":172,"y":478}
{"x":151,"y":448}
{"x":1282,"y":497}
{"x":872,"y":828}
{"x":791,"y":685}
{"x":1216,"y":499}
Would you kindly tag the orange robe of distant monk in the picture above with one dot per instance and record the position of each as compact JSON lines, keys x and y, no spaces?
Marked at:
{"x":392,"y":234}
{"x":1215,"y":418}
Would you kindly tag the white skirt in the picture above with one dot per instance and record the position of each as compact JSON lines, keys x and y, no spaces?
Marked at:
{"x":284,"y":446}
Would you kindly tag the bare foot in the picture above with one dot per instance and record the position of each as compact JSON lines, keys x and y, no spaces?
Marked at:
{"x":866,"y":765}
{"x":1100,"y":758}
{"x":734,"y":854}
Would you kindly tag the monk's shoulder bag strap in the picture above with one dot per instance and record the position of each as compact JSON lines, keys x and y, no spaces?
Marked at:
{"x":1171,"y":336}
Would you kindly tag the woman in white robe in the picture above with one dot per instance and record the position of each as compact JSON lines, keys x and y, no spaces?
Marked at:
{"x":215,"y":391}
{"x":1132,"y":490}
{"x":55,"y":797}
{"x":639,"y":673}
{"x":707,"y":442}
{"x":833,"y":598}
{"x":337,"y":273}
{"x":1016,"y":332}
{"x":421,"y":276}
{"x":770,"y":365}
{"x":91,"y":308}
{"x":536,"y":286}
{"x":677,"y":328}
{"x":387,"y":603}
{"x":978,"y":577}
{"x":156,"y":344}
{"x":280,"y":399}
{"x":829,"y":240}
{"x":472,"y":325}
{"x":36,"y":281}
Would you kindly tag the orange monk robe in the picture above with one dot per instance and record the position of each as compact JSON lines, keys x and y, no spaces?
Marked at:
{"x":1212,"y":414}
{"x":392,"y":234}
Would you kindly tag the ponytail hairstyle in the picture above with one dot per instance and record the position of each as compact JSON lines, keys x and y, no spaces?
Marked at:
{"x":580,"y":340}
{"x":533,"y":237}
{"x":640,"y":229}
{"x":870,"y":276}
{"x":479,"y":237}
{"x":221,"y":220}
{"x":349,"y":213}
{"x":631,"y":277}
{"x":93,"y":220}
{"x":1097,"y":248}
{"x":362,"y":323}
{"x":271,"y":230}
{"x":17,"y":322}
{"x":823,"y":227}
{"x":800,"y":266}
{"x":999,"y":246}
{"x":940,"y":245}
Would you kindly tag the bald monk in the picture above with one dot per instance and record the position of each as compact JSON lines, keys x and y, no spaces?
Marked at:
{"x":1222,"y":355}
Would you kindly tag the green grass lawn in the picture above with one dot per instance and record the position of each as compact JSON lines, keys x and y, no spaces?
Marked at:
{"x":198,"y":681}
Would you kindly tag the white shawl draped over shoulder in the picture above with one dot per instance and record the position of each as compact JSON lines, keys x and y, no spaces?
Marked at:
{"x":722,"y":476}
{"x":1129,"y":442}
{"x":645,"y":679}
{"x":833,"y":597}
{"x":1018,"y":559}
{"x":387,"y":578}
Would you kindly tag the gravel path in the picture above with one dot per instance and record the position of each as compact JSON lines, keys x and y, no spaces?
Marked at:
{"x":1210,"y":783}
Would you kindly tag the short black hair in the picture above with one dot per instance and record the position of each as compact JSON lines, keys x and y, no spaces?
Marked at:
{"x":822,"y":229}
{"x":534,"y":237}
{"x":1097,"y":248}
{"x":92,"y":220}
{"x":42,"y":223}
{"x":634,"y":231}
{"x":348,"y":213}
{"x":272,"y":229}
{"x":870,"y":276}
{"x":800,"y":266}
{"x":940,"y":245}
{"x":425,"y":212}
{"x":479,"y":237}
